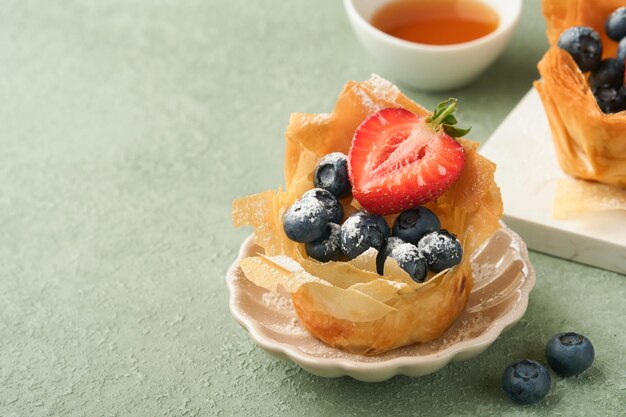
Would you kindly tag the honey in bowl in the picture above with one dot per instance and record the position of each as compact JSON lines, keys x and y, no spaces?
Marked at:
{"x":436,"y":22}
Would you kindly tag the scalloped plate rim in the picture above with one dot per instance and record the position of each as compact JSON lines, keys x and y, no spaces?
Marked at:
{"x":403,"y":365}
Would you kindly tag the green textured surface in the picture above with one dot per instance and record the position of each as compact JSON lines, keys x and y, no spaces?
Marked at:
{"x":126,"y":130}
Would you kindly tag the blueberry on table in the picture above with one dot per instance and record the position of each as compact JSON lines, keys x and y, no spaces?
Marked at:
{"x":441,"y":250}
{"x":362,"y":231}
{"x":610,"y":72}
{"x":306,"y":220}
{"x":327,"y":247}
{"x":615,"y":25}
{"x":584,"y":45}
{"x":569,"y":354}
{"x":610,"y":99}
{"x":526,"y":381}
{"x":331,"y":174}
{"x":412,"y":225}
{"x":407,"y":256}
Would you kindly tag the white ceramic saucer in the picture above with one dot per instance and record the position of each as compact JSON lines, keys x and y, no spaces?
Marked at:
{"x":503,"y":279}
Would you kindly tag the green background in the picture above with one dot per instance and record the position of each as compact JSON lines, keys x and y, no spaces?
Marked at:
{"x":126,"y":129}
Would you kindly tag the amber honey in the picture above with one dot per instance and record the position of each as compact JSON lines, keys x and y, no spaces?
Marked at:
{"x":436,"y":22}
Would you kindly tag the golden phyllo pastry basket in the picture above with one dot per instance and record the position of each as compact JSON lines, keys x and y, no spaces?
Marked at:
{"x":589,"y":144}
{"x":347,"y":304}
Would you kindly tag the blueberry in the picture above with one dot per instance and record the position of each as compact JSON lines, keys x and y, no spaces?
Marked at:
{"x":441,"y":250}
{"x":621,"y":50}
{"x":526,"y":381}
{"x":331,"y":173}
{"x":610,"y":72}
{"x":390,"y":244}
{"x":406,"y":255}
{"x":584,"y":45}
{"x":610,"y":99}
{"x":616,"y":24}
{"x":569,"y":353}
{"x":331,"y":204}
{"x":362,"y":231}
{"x":412,"y":225}
{"x":307,"y":218}
{"x":304,"y":221}
{"x":327,"y":247}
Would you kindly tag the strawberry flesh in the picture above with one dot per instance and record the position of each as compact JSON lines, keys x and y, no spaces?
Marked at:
{"x":398,"y":161}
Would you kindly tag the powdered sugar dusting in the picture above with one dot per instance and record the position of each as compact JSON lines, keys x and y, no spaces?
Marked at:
{"x":367,"y":101}
{"x":404,"y":253}
{"x":383,"y":88}
{"x":482,"y":273}
{"x":332,"y":243}
{"x":398,"y":285}
{"x":351,"y":230}
{"x":305,"y":210}
{"x":292,"y":328}
{"x":286,"y":262}
{"x":466,"y":329}
{"x":333,"y":157}
{"x":434,"y":244}
{"x":318,"y":119}
{"x":334,"y":239}
{"x":276,"y":302}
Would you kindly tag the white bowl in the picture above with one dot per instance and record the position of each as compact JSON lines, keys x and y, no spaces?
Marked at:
{"x":433,"y":67}
{"x":503,"y":278}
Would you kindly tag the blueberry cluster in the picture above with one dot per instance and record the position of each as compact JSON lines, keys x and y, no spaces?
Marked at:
{"x":315,"y":218}
{"x":607,"y":76}
{"x":528,"y":381}
{"x":418,"y":243}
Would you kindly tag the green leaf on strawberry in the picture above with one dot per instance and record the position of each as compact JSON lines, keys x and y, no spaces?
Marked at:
{"x":442,"y":118}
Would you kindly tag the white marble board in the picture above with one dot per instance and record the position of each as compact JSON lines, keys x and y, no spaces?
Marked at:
{"x":527,"y":174}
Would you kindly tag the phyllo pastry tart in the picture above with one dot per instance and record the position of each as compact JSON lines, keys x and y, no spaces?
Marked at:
{"x":383,"y":205}
{"x":582,"y":87}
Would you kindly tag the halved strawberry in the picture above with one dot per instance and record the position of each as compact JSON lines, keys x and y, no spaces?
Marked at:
{"x":399,"y":160}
